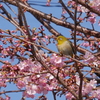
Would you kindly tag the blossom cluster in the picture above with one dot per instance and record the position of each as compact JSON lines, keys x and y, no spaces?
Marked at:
{"x":88,"y":89}
{"x":35,"y":78}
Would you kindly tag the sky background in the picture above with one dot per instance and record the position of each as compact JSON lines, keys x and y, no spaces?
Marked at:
{"x":56,"y":11}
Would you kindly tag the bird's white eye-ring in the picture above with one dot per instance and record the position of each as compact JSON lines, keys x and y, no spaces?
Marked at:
{"x":60,"y":38}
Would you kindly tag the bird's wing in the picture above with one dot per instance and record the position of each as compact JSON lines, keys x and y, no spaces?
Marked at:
{"x":73,"y":49}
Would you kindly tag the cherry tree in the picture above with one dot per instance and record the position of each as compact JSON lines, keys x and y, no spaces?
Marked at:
{"x":27,"y":61}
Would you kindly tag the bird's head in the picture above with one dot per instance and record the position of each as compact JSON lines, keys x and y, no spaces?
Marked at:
{"x":61,"y":39}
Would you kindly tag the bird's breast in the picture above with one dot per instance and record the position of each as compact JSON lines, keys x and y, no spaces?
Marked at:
{"x":65,"y":48}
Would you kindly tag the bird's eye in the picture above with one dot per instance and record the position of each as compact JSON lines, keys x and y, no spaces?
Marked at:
{"x":60,"y":38}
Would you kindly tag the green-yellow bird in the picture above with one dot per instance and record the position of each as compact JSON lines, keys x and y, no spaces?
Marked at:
{"x":64,"y":46}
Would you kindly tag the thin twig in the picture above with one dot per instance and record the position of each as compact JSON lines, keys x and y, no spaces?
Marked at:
{"x":11,"y":91}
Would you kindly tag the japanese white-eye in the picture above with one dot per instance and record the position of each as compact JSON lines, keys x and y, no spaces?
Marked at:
{"x":64,"y":46}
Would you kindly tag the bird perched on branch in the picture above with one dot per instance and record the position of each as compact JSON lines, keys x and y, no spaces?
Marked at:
{"x":64,"y":46}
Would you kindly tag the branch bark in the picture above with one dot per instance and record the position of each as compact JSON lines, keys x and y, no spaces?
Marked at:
{"x":85,"y":31}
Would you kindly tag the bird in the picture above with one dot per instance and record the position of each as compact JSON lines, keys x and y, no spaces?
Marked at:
{"x":65,"y":46}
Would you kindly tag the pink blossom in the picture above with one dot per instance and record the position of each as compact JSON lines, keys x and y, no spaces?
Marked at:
{"x":71,"y":3}
{"x":34,"y":38}
{"x":28,"y":79}
{"x":25,"y":94}
{"x":48,"y":2}
{"x":88,"y":88}
{"x":50,"y":76}
{"x":43,"y":81}
{"x":49,"y":87}
{"x":69,"y":96}
{"x":82,"y":8}
{"x":93,"y":83}
{"x":85,"y":44}
{"x":7,"y":98}
{"x":13,"y":31}
{"x":46,"y":37}
{"x":98,"y":94}
{"x":95,"y":94}
{"x":12,"y":74}
{"x":31,"y":89}
{"x":57,"y":61}
{"x":63,"y":11}
{"x":43,"y":89}
{"x":98,"y":43}
{"x":2,"y":82}
{"x":4,"y":52}
{"x":23,"y":65}
{"x":45,"y":40}
{"x":20,"y":83}
{"x":77,"y":80}
{"x":1,"y":5}
{"x":29,"y":65}
{"x":95,"y":4}
{"x":89,"y":57}
{"x":92,"y":20}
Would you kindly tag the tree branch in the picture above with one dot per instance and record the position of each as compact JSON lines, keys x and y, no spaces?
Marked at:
{"x":57,"y":21}
{"x":88,"y":7}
